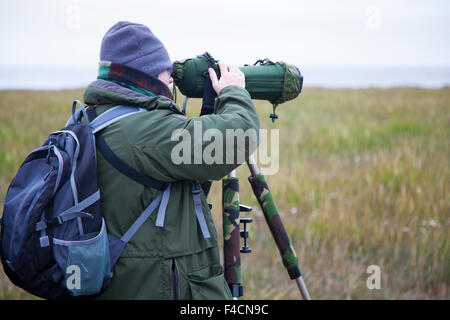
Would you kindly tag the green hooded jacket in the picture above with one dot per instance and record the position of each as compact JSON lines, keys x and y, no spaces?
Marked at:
{"x":173,"y":261}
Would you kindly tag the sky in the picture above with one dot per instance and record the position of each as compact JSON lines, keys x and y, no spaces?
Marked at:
{"x":307,"y":33}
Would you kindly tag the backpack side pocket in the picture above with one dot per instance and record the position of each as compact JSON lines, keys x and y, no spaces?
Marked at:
{"x":85,"y":263}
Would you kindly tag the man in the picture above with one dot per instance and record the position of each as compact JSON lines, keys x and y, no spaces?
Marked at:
{"x":176,"y":260}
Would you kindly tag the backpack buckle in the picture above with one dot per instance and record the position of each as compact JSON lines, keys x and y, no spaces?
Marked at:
{"x":41,"y":225}
{"x":195,"y":187}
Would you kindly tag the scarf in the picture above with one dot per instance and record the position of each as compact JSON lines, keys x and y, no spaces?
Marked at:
{"x":133,"y":79}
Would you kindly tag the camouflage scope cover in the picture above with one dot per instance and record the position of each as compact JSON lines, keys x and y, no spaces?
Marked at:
{"x":276,"y":82}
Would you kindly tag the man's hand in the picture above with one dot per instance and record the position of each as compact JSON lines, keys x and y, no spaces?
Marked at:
{"x":230,"y":76}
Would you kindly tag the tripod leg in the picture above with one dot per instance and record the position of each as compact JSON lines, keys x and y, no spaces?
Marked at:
{"x":273,"y":219}
{"x":231,"y":234}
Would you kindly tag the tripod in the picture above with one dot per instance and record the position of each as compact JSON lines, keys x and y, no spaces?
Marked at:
{"x":231,"y":209}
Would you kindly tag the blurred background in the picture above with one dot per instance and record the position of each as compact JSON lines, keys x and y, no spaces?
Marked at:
{"x":364,"y":172}
{"x":351,"y":43}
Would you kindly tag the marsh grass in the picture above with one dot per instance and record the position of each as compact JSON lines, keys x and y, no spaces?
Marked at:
{"x":364,"y":179}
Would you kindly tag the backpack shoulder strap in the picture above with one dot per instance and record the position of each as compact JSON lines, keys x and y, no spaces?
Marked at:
{"x":196,"y":189}
{"x":106,"y":119}
{"x":109,"y":117}
{"x":97,"y":123}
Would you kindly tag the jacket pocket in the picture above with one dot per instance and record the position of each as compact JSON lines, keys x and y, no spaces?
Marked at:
{"x":208,"y":284}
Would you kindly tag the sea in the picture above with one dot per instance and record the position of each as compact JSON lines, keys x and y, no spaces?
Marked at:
{"x":57,"y":78}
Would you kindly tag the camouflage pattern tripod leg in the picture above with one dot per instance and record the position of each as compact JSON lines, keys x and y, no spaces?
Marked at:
{"x":231,"y":235}
{"x":273,"y":219}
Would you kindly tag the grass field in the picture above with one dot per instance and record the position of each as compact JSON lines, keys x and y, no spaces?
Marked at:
{"x":364,"y":179}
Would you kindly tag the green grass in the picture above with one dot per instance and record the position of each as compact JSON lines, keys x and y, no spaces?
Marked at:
{"x":364,"y":179}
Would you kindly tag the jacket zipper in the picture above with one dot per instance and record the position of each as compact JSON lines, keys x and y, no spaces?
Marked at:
{"x":174,"y":280}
